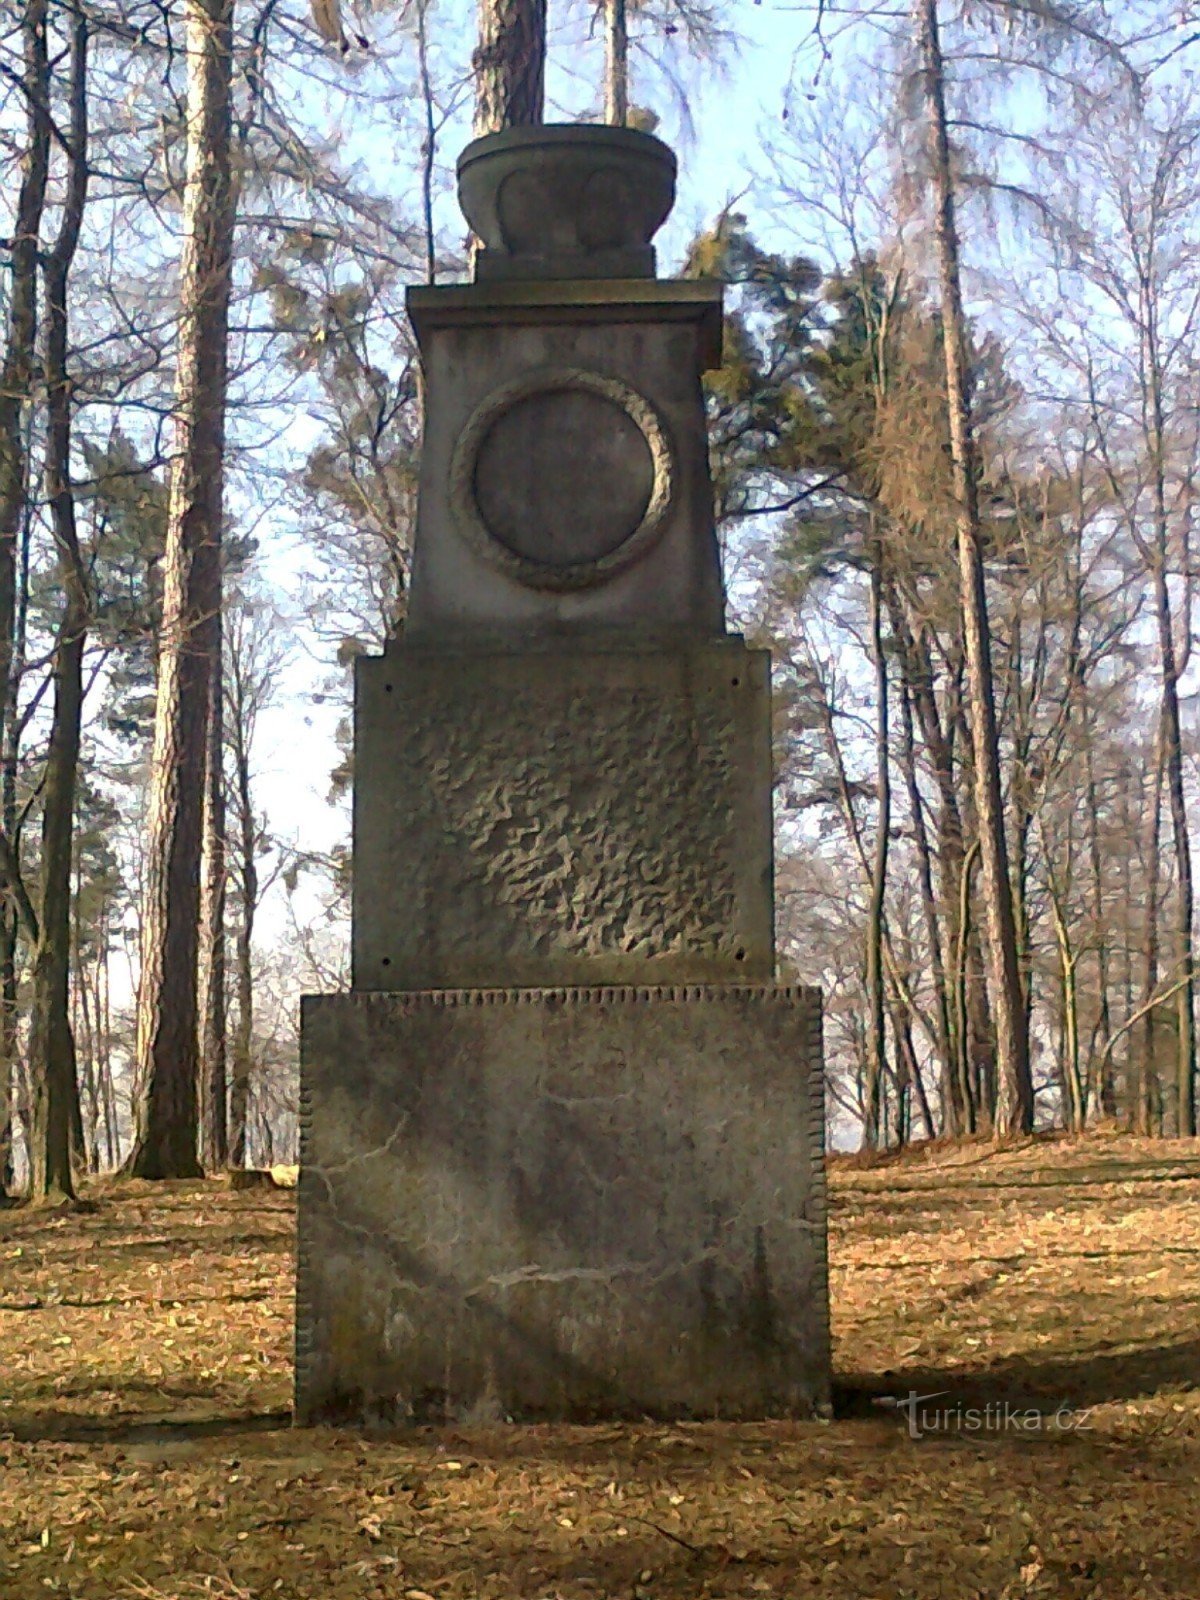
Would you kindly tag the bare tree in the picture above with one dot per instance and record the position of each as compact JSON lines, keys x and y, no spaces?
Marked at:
{"x":1014,"y":1113}
{"x":255,"y":655}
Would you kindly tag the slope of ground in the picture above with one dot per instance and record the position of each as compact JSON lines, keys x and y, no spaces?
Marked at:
{"x":145,"y":1448}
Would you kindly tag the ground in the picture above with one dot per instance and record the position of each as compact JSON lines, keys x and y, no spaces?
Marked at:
{"x":145,"y":1446}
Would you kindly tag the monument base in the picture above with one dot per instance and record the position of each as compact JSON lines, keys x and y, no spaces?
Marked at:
{"x":562,"y":1203}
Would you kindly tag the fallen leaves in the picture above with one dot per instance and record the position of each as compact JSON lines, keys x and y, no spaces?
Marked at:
{"x":153,"y":1456}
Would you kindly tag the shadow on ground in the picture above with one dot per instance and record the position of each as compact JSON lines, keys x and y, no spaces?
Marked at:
{"x":1095,"y":1377}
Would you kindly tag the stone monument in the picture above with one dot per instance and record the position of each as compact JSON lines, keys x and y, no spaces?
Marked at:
{"x":562,"y":1141}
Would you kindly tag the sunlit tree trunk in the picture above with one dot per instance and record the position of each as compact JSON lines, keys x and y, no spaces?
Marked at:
{"x":167,"y":1043}
{"x":1014,"y":1112}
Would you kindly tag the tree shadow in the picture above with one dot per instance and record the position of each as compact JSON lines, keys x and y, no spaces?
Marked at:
{"x":1093,"y":1377}
{"x":66,"y":1427}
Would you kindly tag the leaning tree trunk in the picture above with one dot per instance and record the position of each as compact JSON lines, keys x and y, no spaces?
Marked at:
{"x":509,"y":64}
{"x":1014,"y":1112}
{"x":167,"y":1043}
{"x":52,"y":1043}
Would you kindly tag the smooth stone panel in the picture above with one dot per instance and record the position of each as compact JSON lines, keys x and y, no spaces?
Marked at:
{"x":562,"y":817}
{"x":566,"y":1203}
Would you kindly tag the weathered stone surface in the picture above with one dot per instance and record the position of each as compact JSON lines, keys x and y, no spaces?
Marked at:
{"x":562,"y":1204}
{"x":564,"y":472}
{"x":562,"y":818}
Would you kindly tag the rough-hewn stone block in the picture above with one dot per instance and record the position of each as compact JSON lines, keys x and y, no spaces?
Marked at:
{"x":562,"y":818}
{"x":562,"y":1203}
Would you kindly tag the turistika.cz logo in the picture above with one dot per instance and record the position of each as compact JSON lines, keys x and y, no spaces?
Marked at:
{"x":924,"y":1416}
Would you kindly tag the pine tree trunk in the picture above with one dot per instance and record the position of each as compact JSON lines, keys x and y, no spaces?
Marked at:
{"x":212,"y":934}
{"x":52,"y":1044}
{"x":509,"y":64}
{"x":167,"y":1044}
{"x":1014,"y":1112}
{"x":616,"y":63}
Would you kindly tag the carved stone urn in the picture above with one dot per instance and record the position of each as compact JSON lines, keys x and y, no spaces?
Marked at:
{"x":576,"y":201}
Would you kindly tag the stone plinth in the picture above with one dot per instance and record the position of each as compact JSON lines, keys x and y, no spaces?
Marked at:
{"x":562,"y":1203}
{"x":562,"y":817}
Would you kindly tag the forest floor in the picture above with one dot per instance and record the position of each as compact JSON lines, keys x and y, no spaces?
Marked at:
{"x":145,"y":1447}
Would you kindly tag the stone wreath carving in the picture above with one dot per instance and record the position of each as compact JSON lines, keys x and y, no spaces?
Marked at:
{"x":562,"y":478}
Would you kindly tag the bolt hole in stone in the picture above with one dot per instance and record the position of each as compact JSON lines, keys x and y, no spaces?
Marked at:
{"x":387,"y":688}
{"x":735,"y":682}
{"x":387,"y":961}
{"x":738,"y":955}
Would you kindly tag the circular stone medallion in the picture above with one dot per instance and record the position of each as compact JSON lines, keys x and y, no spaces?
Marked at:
{"x":562,"y":478}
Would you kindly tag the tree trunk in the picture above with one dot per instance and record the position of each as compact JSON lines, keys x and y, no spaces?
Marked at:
{"x":16,"y":372}
{"x":933,"y":936}
{"x":1102,"y":1100}
{"x":52,"y":1044}
{"x":1015,"y":1085}
{"x":16,"y":382}
{"x":1147,"y":1085}
{"x":616,"y":63}
{"x":1185,"y":1088}
{"x":958,"y":1105}
{"x":212,"y":933}
{"x":243,"y":1040}
{"x":509,"y":64}
{"x":877,"y":1040}
{"x":167,"y":1045}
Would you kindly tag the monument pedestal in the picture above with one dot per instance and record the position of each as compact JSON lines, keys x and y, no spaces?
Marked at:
{"x":562,"y":1203}
{"x":561,"y":1149}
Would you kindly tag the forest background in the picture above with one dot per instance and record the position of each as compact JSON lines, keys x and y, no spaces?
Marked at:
{"x":955,"y":442}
